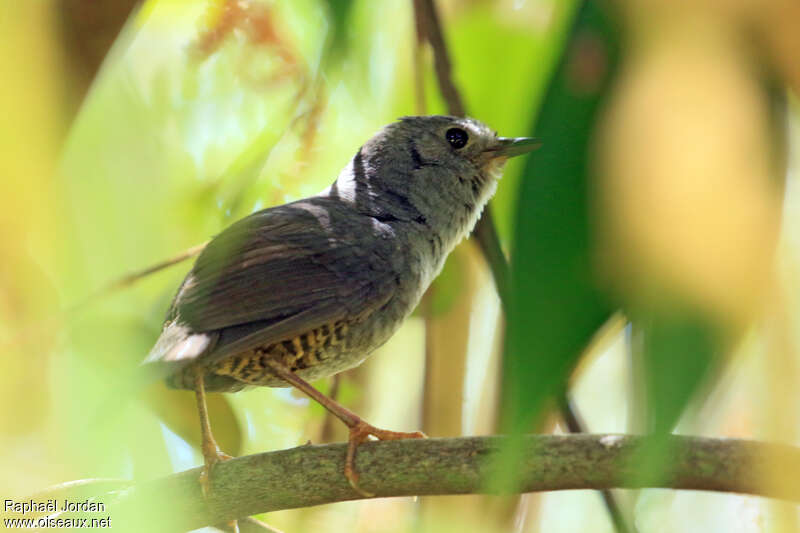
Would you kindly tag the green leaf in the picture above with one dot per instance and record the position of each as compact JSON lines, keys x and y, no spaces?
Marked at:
{"x":339,"y":19}
{"x":678,"y":351}
{"x":556,"y":306}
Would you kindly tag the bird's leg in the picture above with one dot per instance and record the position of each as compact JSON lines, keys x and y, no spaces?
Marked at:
{"x":359,"y":429}
{"x":211,"y":453}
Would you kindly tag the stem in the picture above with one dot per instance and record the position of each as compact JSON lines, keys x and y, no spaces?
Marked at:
{"x":576,"y":425}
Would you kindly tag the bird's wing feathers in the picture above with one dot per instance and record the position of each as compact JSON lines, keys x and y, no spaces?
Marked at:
{"x":282,"y":272}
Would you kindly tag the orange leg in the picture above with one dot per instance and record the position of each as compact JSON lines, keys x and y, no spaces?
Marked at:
{"x":359,"y":429}
{"x":211,"y":453}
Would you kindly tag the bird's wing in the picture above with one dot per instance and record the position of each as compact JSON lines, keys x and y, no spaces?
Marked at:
{"x":282,"y":272}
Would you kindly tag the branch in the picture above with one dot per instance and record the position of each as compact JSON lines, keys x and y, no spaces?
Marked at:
{"x":312,"y":475}
{"x":427,"y":22}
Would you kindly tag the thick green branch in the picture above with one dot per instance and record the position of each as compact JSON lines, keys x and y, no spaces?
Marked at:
{"x":312,"y":475}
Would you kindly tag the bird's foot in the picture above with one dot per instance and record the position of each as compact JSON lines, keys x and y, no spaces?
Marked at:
{"x":359,"y":433}
{"x":212,"y":456}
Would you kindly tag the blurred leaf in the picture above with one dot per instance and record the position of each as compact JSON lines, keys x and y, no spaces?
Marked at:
{"x":556,"y":306}
{"x":688,"y":236}
{"x":678,"y":351}
{"x":698,"y":225}
{"x":89,"y":29}
{"x":339,"y":11}
{"x":680,"y":347}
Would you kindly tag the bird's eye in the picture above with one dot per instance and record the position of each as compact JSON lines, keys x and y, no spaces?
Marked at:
{"x":456,"y":137}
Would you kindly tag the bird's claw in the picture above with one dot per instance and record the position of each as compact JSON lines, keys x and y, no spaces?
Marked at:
{"x":211,"y":457}
{"x":359,"y":433}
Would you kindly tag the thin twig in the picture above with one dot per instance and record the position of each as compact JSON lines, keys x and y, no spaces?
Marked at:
{"x":312,"y":475}
{"x":53,"y":321}
{"x":418,"y":55}
{"x":428,"y":21}
{"x":130,"y":279}
{"x":575,"y":425}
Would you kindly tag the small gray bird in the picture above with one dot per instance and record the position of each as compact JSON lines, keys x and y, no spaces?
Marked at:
{"x":304,"y":290}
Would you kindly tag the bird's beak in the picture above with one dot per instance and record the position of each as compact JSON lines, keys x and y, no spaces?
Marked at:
{"x":513,"y":146}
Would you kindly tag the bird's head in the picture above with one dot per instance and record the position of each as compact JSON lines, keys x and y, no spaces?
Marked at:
{"x":435,"y":169}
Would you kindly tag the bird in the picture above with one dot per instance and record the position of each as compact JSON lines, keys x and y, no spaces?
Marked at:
{"x":301,"y":291}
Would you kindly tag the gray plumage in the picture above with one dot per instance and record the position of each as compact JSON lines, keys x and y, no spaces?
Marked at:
{"x":321,"y":282}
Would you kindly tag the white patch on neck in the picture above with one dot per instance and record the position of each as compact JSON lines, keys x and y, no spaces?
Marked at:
{"x":345,"y":184}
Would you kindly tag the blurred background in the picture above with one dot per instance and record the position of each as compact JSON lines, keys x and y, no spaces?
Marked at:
{"x":654,"y":240}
